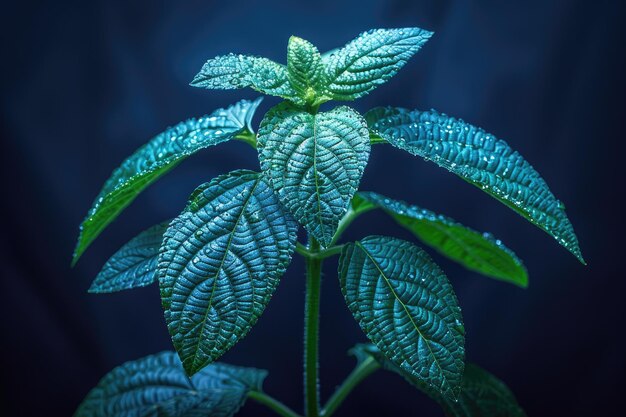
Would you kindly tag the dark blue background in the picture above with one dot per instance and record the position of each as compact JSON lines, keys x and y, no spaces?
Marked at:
{"x":86,"y":83}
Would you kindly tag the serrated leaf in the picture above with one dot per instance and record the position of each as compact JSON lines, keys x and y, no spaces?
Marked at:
{"x":240,"y":71}
{"x":407,"y":308}
{"x":220,"y":262}
{"x":157,"y":386}
{"x":133,"y":265}
{"x":155,"y":159}
{"x":314,"y":162}
{"x":305,"y":69}
{"x":370,"y":60}
{"x":480,"y":159}
{"x":479,"y":252}
{"x":482,"y":394}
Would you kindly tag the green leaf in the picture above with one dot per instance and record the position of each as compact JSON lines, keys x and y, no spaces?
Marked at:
{"x":220,"y":262}
{"x":158,"y":157}
{"x":240,"y":71}
{"x":407,"y":308}
{"x":315,"y":163}
{"x":133,"y":265}
{"x":370,"y":60}
{"x":157,"y":386}
{"x":479,"y":252}
{"x":305,"y":69}
{"x":480,"y":159}
{"x":482,"y":394}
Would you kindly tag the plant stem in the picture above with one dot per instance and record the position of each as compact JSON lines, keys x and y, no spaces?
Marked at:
{"x":273,"y":404}
{"x":247,"y":137}
{"x":322,"y":254}
{"x":357,"y":375}
{"x":347,"y":220}
{"x":311,"y":330}
{"x":376,"y":139}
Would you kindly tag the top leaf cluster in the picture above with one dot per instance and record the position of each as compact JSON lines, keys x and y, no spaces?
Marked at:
{"x":310,"y":79}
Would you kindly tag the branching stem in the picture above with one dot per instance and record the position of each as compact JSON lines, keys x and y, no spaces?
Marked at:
{"x":362,"y":370}
{"x":320,"y":254}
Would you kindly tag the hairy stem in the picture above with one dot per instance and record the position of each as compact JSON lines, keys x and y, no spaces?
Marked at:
{"x":320,"y":254}
{"x":273,"y":404}
{"x":311,"y":330}
{"x":362,"y":370}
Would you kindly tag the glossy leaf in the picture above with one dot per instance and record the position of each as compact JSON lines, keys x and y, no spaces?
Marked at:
{"x":157,"y":386}
{"x":407,"y":308}
{"x":240,"y":71}
{"x":480,"y":159}
{"x":482,"y":394}
{"x":133,"y":265}
{"x":370,"y":60}
{"x":315,"y":163}
{"x":479,"y":252}
{"x":158,"y":157}
{"x":220,"y":262}
{"x":305,"y":69}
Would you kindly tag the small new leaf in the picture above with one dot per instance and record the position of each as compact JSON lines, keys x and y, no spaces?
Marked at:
{"x":479,"y":252}
{"x":370,"y":60}
{"x":220,"y":263}
{"x":407,"y":308}
{"x":155,"y":159}
{"x":157,"y":386}
{"x":482,"y":394}
{"x":240,"y":71}
{"x":314,"y":162}
{"x":305,"y":69}
{"x":133,"y":265}
{"x":480,"y":159}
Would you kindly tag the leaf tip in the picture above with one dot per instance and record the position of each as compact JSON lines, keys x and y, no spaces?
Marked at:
{"x":197,"y":80}
{"x":76,"y":255}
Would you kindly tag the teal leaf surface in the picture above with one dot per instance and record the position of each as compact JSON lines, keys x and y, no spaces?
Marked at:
{"x":240,"y":71}
{"x":314,"y":162}
{"x":158,"y":157}
{"x":220,"y":263}
{"x":407,"y":308}
{"x":157,"y":386}
{"x":305,"y":69}
{"x":480,"y":159}
{"x":370,"y":60}
{"x":479,"y":252}
{"x":133,"y":265}
{"x":482,"y":394}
